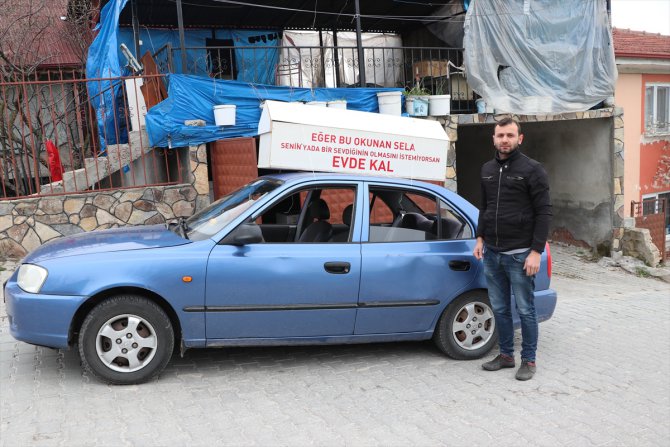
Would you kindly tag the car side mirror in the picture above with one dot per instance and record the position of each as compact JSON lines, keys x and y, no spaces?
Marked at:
{"x":245,"y":234}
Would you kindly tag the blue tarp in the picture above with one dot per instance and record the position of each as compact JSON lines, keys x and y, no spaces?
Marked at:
{"x":103,"y":62}
{"x":251,"y":63}
{"x":153,"y":40}
{"x":193,"y":97}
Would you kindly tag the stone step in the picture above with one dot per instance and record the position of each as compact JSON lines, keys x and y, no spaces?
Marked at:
{"x":116,"y":156}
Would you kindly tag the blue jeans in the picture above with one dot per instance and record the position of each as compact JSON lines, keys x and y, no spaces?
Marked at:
{"x":504,"y":275}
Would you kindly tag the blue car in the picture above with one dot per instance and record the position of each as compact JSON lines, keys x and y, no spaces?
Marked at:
{"x":290,"y":259}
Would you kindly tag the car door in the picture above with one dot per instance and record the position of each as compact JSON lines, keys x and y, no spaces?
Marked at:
{"x":410,"y":270}
{"x":288,"y":288}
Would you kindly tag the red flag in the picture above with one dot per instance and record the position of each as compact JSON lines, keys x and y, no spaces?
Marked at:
{"x":55,"y":166}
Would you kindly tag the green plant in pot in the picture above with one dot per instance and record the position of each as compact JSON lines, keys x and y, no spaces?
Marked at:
{"x":417,"y":90}
{"x":416,"y":100}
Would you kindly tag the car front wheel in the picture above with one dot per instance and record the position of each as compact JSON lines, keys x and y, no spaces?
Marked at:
{"x":126,"y":340}
{"x":466,"y":329}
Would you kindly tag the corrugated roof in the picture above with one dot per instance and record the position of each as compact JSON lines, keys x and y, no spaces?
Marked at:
{"x":640,"y":44}
{"x":32,"y":32}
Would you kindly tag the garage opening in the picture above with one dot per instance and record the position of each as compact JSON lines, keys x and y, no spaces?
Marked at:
{"x":577,"y":155}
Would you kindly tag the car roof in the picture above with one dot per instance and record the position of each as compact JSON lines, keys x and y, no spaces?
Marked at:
{"x":294,"y":177}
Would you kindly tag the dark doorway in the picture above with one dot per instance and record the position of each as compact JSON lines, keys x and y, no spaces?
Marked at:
{"x":221,"y":56}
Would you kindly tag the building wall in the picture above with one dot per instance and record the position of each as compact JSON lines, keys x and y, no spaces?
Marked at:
{"x":582,"y":153}
{"x":654,"y":151}
{"x":629,"y":94}
{"x":653,"y":177}
{"x":25,"y":224}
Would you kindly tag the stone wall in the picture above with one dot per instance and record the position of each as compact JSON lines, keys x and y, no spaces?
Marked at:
{"x":637,"y":243}
{"x":25,"y":224}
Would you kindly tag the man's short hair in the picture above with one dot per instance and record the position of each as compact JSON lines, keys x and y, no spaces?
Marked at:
{"x":507,"y":121}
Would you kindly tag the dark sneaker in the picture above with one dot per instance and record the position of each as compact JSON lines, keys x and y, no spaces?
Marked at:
{"x":526,"y":370}
{"x":501,"y":361}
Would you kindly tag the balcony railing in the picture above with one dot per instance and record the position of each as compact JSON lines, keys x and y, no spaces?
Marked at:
{"x":51,"y":144}
{"x":435,"y":69}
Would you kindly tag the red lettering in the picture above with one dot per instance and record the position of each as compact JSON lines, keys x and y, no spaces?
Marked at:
{"x":349,"y":162}
{"x":381,"y":166}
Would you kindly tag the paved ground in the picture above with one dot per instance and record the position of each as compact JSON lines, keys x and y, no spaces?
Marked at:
{"x":603,"y":379}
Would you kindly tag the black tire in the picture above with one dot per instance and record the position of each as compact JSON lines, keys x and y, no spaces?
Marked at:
{"x":133,"y":327}
{"x":466,"y":330}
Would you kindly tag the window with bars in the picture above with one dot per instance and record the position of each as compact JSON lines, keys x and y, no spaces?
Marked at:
{"x":657,"y":109}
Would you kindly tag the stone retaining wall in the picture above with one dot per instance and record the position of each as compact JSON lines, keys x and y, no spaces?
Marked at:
{"x":25,"y":224}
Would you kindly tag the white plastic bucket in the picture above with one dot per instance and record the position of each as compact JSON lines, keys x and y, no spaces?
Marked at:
{"x":409,"y":104}
{"x":390,"y":103}
{"x":338,"y":104}
{"x":317,"y":103}
{"x":439,"y":105}
{"x":224,"y":115}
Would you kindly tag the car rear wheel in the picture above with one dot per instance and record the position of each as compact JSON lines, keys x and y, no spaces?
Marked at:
{"x":466,"y":329}
{"x":126,"y":340}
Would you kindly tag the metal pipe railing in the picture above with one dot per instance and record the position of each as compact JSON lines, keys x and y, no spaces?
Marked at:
{"x":57,"y":110}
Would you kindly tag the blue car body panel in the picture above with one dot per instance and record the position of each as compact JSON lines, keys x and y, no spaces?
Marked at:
{"x":39,"y":319}
{"x":262,"y":294}
{"x":157,"y":270}
{"x":114,"y":239}
{"x":243,"y":281}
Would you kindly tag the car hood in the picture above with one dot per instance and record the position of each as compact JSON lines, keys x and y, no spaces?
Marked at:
{"x":116,"y":239}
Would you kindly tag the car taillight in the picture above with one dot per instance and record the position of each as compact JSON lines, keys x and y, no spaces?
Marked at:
{"x":548,"y":250}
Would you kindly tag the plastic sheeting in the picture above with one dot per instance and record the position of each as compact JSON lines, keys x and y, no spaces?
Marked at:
{"x":103,"y":62}
{"x":193,"y":97}
{"x":450,"y":30}
{"x":303,"y":61}
{"x":256,"y":51}
{"x":539,"y":56}
{"x":153,"y":40}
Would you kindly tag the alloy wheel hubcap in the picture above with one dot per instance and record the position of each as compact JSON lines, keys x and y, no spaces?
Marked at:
{"x":126,"y":343}
{"x":473,"y":325}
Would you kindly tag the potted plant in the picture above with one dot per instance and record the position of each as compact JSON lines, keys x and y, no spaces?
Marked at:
{"x":439,"y":104}
{"x":416,"y":100}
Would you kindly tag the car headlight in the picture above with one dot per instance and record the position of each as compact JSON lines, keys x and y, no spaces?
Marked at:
{"x":31,"y":277}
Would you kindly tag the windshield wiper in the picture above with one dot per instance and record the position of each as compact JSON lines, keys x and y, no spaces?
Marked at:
{"x":184,"y":227}
{"x":180,"y":224}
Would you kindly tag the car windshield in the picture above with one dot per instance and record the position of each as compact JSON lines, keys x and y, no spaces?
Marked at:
{"x":215,"y":217}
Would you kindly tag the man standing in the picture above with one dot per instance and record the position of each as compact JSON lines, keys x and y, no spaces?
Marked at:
{"x":512,"y":232}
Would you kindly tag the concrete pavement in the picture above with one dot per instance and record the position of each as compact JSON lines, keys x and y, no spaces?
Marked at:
{"x":603,"y":379}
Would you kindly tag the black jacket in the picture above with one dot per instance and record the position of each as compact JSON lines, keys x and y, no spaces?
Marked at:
{"x":515,"y":210}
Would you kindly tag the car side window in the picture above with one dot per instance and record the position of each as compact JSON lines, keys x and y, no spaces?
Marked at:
{"x":380,"y":213}
{"x":321,"y":214}
{"x":452,"y":224}
{"x":399,"y":215}
{"x":404,"y":215}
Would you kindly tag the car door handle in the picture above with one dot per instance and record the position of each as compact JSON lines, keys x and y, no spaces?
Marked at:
{"x":339,"y":268}
{"x":459,"y":266}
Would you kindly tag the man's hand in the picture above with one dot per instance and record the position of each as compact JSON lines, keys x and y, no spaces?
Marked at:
{"x":478,"y":252}
{"x":532,"y":264}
